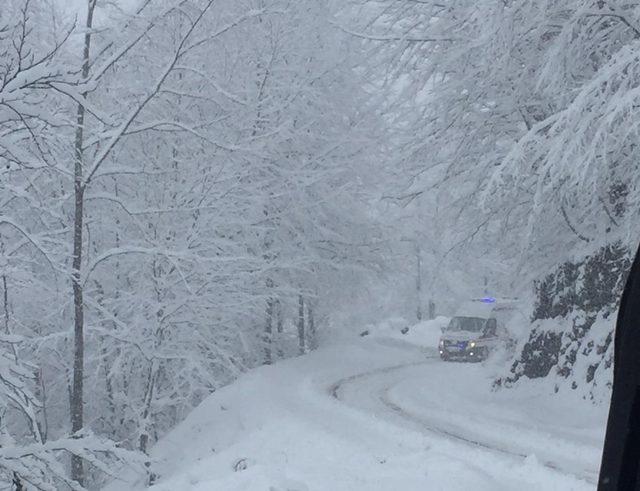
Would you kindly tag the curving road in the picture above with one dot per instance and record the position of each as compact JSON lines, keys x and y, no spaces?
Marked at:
{"x":445,"y":400}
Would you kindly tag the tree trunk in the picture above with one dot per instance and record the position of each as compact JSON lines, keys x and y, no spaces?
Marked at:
{"x":432,"y":309}
{"x":313,"y":339}
{"x":301,"y":334}
{"x":418,"y":282}
{"x":41,"y":395}
{"x":268,"y":330}
{"x":152,"y":378}
{"x":279,"y":326}
{"x":77,"y":395}
{"x":16,"y":481}
{"x":148,"y":399}
{"x":5,"y":297}
{"x":77,"y":408}
{"x":104,"y":355}
{"x":280,"y":317}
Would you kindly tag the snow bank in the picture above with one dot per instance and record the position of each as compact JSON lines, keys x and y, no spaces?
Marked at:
{"x":425,"y":334}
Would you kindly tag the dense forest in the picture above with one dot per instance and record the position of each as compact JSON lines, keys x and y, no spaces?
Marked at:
{"x":191,"y":188}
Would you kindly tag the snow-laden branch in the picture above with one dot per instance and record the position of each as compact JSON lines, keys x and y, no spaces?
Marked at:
{"x":5,"y":220}
{"x":38,"y":464}
{"x":404,"y":38}
{"x":104,"y":153}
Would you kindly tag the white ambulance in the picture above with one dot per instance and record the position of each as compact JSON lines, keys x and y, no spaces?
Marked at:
{"x":478,"y":327}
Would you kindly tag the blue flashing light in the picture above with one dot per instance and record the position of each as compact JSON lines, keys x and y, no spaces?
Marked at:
{"x":488,"y":300}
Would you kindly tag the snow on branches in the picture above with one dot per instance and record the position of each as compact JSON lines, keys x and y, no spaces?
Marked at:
{"x":178,"y":178}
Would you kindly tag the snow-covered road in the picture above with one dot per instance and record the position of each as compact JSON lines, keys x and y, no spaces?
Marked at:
{"x":381,"y":415}
{"x":413,"y":395}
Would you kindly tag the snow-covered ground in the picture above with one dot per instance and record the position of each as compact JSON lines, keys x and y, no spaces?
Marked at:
{"x":380,"y":413}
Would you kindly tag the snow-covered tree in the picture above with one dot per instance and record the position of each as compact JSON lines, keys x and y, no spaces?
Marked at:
{"x":176,"y":177}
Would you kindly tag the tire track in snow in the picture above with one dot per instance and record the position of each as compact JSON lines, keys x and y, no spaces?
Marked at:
{"x":384,"y":398}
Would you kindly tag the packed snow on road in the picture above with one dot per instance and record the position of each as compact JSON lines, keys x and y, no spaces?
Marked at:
{"x":381,"y":412}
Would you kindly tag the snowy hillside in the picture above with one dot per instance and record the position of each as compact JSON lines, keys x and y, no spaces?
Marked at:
{"x":378,"y":414}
